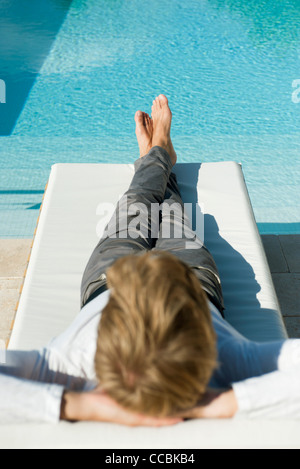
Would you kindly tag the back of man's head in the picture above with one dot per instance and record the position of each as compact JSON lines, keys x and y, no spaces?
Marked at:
{"x":156,"y":347}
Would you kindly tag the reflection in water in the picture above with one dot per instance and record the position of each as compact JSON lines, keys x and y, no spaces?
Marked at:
{"x":274,"y":21}
{"x":27,"y":35}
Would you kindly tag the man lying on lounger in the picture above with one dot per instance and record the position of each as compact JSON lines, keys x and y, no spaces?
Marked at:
{"x":150,"y":345}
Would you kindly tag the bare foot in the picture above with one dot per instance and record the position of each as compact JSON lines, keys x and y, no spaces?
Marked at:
{"x":162,"y":117}
{"x":143,"y":131}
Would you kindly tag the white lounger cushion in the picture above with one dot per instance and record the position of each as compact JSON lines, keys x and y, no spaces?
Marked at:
{"x":65,"y":238}
{"x":67,"y":234}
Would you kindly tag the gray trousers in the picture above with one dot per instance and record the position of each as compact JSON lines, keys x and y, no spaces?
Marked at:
{"x":151,"y":215}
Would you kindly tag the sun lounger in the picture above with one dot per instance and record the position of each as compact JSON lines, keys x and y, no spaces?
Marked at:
{"x":68,"y":231}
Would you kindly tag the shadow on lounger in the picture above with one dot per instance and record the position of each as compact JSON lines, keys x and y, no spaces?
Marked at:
{"x":240,"y":287}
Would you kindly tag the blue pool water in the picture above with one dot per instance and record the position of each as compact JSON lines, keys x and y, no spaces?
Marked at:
{"x":76,"y":72}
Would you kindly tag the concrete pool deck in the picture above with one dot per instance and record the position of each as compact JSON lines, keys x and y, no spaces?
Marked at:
{"x":283,"y":253}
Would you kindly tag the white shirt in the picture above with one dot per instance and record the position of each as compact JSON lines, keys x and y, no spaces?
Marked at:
{"x":275,"y":395}
{"x":32,"y":383}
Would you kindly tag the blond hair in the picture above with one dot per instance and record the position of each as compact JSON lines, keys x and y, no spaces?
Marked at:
{"x":156,"y":347}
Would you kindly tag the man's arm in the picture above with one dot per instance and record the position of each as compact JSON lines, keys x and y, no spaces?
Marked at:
{"x":30,"y":389}
{"x":24,"y":401}
{"x":272,"y":396}
{"x":215,"y":405}
{"x":26,"y":394}
{"x":275,"y":395}
{"x":96,"y":406}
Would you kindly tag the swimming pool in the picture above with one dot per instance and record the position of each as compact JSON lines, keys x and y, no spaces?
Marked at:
{"x":76,"y":72}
